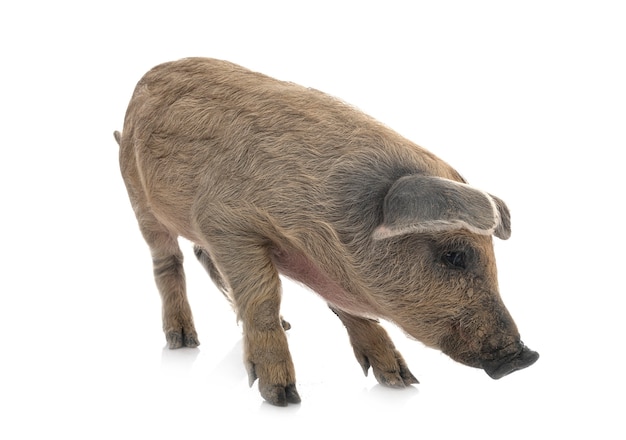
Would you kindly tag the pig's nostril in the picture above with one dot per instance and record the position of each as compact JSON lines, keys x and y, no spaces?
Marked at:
{"x":499,"y":368}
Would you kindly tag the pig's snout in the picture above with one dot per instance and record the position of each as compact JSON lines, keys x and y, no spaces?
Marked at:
{"x":501,"y":366}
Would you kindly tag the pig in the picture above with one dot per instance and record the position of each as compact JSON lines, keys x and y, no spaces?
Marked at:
{"x":269,"y":178}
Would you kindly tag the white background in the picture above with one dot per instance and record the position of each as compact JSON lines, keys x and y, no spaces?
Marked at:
{"x":526,"y":99}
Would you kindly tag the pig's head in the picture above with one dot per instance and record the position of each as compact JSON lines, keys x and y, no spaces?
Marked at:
{"x":441,"y":283}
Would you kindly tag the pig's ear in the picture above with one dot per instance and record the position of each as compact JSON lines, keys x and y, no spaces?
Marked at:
{"x":418,"y":203}
{"x":503,"y":230}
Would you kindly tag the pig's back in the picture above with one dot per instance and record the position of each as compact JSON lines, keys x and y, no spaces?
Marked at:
{"x":216,"y":131}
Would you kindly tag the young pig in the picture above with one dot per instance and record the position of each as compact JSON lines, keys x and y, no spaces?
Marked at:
{"x":267,"y":178}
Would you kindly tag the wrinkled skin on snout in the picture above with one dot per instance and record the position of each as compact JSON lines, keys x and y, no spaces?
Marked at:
{"x":457,"y":308}
{"x":269,"y":178}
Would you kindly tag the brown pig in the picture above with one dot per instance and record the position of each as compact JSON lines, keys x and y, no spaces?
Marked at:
{"x":267,"y":178}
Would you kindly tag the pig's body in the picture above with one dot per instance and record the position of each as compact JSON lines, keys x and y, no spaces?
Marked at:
{"x":266,"y":177}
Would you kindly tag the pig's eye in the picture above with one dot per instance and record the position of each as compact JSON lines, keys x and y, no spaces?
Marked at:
{"x":455,"y":259}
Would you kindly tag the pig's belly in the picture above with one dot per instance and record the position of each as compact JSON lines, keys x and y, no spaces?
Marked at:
{"x":299,"y":268}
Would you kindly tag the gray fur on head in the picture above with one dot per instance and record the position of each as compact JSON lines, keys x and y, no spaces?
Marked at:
{"x":418,"y":203}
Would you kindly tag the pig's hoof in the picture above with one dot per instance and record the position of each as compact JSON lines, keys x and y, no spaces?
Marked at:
{"x":393,"y":373}
{"x":285,"y":325}
{"x":177,"y":339}
{"x":395,"y":379}
{"x":279,"y":395}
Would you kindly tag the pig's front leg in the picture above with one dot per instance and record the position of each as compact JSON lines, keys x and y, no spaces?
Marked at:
{"x":373,"y":347}
{"x":254,"y":287}
{"x":205,"y":260}
{"x":267,"y":358}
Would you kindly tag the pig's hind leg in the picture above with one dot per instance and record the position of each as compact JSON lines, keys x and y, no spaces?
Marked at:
{"x":167,"y":260}
{"x":205,"y":260}
{"x":373,"y":348}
